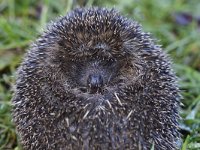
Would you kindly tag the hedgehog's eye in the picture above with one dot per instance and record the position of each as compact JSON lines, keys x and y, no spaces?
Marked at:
{"x":83,"y":89}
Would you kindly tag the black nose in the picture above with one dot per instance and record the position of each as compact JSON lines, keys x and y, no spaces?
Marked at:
{"x":95,"y":82}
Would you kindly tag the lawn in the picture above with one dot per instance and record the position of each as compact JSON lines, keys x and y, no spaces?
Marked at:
{"x":176,"y":23}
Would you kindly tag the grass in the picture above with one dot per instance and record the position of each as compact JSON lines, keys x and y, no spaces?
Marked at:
{"x":21,"y":21}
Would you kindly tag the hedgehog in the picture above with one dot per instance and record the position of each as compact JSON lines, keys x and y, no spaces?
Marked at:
{"x":95,"y":80}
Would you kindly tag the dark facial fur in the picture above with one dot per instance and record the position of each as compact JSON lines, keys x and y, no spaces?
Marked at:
{"x":95,"y":80}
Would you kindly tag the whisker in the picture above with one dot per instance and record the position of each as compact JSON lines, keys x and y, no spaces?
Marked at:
{"x":67,"y":120}
{"x":118,"y":98}
{"x":109,"y":78}
{"x":109,"y":104}
{"x":87,"y":112}
{"x":129,"y":114}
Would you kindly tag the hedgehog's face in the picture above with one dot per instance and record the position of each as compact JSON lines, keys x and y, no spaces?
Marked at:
{"x":98,"y":76}
{"x":93,"y":77}
{"x":97,"y":71}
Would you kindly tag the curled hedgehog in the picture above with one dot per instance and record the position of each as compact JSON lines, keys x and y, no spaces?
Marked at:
{"x":95,"y":80}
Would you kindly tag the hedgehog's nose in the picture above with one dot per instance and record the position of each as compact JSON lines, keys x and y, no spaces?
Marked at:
{"x":95,"y":83}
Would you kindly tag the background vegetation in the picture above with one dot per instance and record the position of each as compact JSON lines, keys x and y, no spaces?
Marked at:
{"x":175,"y":22}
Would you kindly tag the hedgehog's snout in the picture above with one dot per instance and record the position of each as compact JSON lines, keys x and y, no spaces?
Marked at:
{"x":95,"y":83}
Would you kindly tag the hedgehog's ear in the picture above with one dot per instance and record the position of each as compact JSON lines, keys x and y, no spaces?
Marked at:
{"x":131,"y":46}
{"x":137,"y":65}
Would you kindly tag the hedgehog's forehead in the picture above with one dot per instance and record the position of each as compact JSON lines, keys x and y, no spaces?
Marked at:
{"x":97,"y":29}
